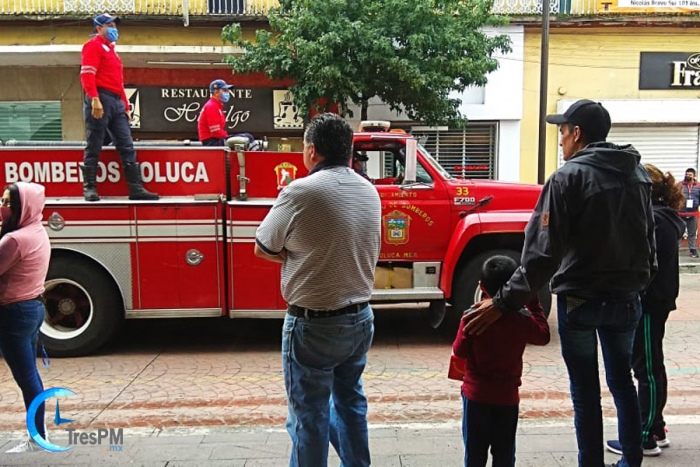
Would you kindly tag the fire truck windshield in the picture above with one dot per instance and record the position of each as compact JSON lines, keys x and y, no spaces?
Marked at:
{"x":434,"y":163}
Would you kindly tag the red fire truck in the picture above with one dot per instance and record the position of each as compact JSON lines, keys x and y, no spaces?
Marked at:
{"x":190,"y":254}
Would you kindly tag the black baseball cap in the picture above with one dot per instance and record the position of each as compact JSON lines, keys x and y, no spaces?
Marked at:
{"x":590,"y":116}
{"x":360,"y":157}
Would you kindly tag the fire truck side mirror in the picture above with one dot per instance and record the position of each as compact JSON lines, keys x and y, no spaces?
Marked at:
{"x":411,"y":156}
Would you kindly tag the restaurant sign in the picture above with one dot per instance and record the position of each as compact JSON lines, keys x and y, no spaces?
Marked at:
{"x":177,"y":109}
{"x":669,"y":70}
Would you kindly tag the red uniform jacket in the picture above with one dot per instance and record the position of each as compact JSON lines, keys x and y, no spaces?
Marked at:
{"x":212,"y":122}
{"x":101,"y":67}
{"x":494,"y":359}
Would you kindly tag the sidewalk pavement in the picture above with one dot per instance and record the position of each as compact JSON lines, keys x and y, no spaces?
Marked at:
{"x":688,"y":264}
{"x":540,"y":444}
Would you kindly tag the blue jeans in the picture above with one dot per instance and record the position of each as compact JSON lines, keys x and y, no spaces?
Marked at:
{"x":19,"y":333}
{"x":114,"y":123}
{"x":485,"y":425}
{"x":323,"y":360}
{"x":614,"y":322}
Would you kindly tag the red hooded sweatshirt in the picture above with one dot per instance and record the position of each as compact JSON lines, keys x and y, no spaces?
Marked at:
{"x":495,"y":358}
{"x":25,"y":253}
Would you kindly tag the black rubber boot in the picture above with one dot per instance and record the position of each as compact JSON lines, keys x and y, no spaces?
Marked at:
{"x":89,"y":180}
{"x":132,"y":172}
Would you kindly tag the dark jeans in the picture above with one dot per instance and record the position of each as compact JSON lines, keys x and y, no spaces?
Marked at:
{"x":485,"y":425}
{"x":650,"y":372}
{"x":19,"y":332}
{"x":581,"y":323}
{"x":213,"y":142}
{"x":691,"y":223}
{"x":114,"y":124}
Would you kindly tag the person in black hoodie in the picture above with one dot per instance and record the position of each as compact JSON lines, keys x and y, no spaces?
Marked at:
{"x":592,"y":233}
{"x":657,"y":302}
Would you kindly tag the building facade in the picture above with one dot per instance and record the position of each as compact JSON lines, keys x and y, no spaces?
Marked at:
{"x":640,"y":63}
{"x":169,"y":57}
{"x":171,"y":50}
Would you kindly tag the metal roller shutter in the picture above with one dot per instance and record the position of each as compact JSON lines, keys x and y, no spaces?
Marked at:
{"x":670,"y":148}
{"x":30,"y":121}
{"x":464,"y":153}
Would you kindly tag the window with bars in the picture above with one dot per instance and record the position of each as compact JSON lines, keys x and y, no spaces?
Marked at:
{"x":31,"y":121}
{"x":226,"y":7}
{"x":465,"y":153}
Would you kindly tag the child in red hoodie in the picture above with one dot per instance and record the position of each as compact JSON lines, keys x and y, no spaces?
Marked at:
{"x":494,"y":365}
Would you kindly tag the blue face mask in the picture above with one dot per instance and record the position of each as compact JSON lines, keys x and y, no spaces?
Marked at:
{"x":112,"y":34}
{"x":225,"y":96}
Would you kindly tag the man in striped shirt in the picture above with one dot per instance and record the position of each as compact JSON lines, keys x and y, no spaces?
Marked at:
{"x":325,"y":229}
{"x":106,"y":109}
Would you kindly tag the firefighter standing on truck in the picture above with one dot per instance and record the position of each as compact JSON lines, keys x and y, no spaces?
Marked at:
{"x":106,"y":109}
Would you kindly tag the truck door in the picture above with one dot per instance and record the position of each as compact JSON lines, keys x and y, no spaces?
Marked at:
{"x":416,"y":216}
{"x":179,"y":251}
{"x":254,"y":282}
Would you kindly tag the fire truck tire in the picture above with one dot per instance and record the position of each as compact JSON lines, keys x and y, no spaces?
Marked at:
{"x":465,"y":289}
{"x":83,"y":307}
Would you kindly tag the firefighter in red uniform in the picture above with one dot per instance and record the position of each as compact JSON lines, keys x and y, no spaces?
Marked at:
{"x":106,"y":109}
{"x":212,"y":122}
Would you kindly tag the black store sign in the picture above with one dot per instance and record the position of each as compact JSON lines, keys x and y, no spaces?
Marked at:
{"x":176,"y":109}
{"x":675,"y":70}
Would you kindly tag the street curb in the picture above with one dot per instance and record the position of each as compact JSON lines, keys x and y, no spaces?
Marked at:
{"x":523,"y":424}
{"x":689,"y":268}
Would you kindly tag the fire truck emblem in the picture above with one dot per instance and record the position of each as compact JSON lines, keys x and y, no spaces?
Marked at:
{"x":286,"y":174}
{"x":396,"y":227}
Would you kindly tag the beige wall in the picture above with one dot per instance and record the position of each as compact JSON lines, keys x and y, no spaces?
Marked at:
{"x":50,"y":84}
{"x":597,"y":63}
{"x":129,"y":34}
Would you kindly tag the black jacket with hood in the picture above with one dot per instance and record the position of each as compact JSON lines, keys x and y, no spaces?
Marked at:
{"x":592,"y":231}
{"x":663,"y":289}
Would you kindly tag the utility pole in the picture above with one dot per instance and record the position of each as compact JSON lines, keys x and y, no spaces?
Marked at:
{"x":544,"y":70}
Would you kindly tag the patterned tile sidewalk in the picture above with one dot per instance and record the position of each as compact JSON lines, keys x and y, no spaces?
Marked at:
{"x":227,"y":372}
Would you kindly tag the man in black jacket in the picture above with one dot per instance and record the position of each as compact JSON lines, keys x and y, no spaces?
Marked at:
{"x":592,"y":233}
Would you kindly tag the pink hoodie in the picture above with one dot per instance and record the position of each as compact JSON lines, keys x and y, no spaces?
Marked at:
{"x":25,"y":253}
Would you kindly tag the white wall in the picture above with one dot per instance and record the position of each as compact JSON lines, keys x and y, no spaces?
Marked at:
{"x":503,"y":97}
{"x":646,"y":110}
{"x":508,"y":161}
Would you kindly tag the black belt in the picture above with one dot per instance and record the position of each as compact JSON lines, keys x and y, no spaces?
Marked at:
{"x":109,"y":93}
{"x":300,"y":312}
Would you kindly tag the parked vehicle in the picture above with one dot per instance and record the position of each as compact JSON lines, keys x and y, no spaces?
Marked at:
{"x":190,"y":254}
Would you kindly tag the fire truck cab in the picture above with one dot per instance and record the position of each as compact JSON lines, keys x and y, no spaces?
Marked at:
{"x":191,"y":253}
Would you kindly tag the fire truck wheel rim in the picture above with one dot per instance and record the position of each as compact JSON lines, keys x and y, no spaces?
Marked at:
{"x":71,"y":317}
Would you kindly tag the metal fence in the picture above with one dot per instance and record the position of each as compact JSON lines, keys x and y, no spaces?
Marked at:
{"x":259,"y":8}
{"x":138,"y":7}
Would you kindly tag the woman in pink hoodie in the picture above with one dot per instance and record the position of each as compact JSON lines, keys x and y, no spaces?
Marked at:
{"x":24,"y":262}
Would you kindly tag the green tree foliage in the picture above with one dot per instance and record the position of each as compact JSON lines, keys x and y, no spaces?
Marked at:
{"x":409,"y":53}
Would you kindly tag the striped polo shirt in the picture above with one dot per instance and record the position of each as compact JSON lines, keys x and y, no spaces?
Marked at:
{"x":329,"y":223}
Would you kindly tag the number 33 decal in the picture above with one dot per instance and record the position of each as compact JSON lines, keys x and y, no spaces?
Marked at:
{"x":462,"y":191}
